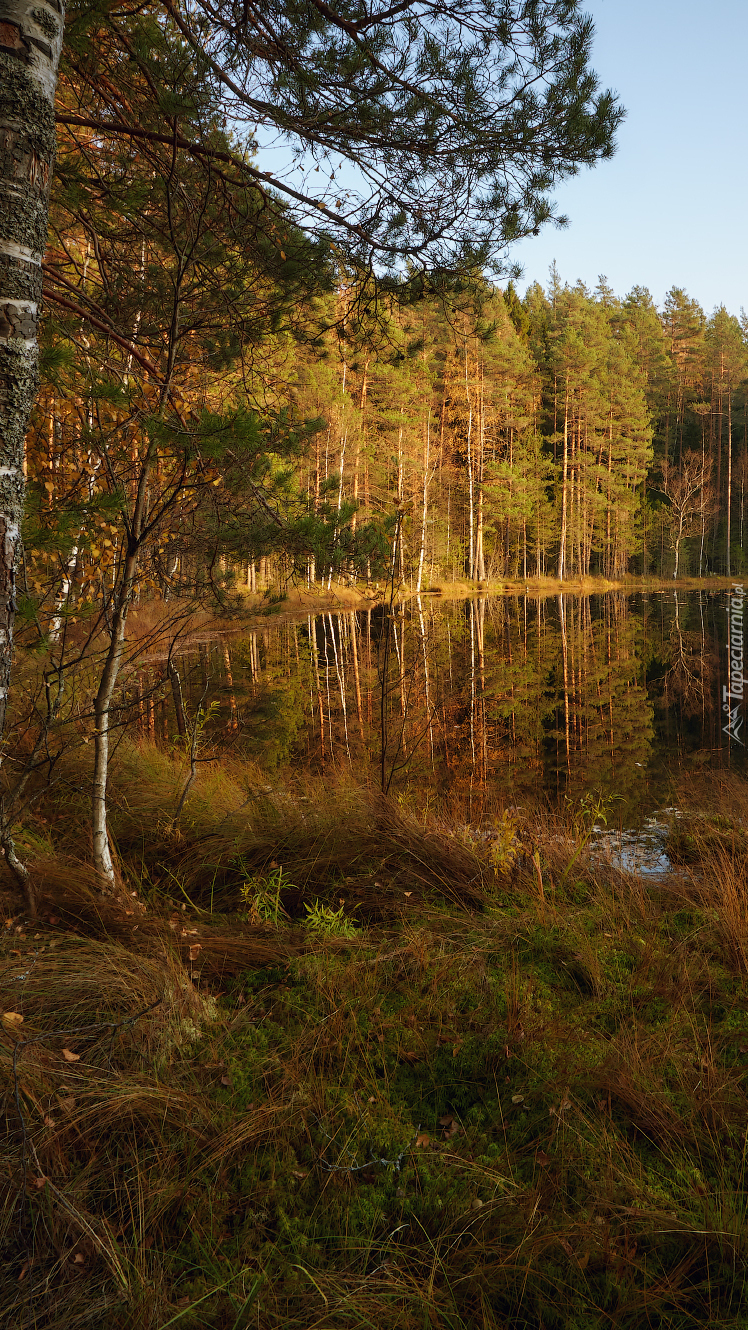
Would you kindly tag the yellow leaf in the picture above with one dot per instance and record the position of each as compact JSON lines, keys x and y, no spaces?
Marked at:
{"x":70,"y":1057}
{"x":422,"y":1140}
{"x":12,"y":1017}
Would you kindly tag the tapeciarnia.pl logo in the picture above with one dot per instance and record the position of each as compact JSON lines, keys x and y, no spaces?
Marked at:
{"x":732,"y":694}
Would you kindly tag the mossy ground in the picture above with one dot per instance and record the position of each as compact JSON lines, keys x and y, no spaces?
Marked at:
{"x":512,"y":1099}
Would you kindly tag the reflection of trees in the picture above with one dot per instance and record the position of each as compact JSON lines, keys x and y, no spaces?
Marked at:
{"x":601,"y":732}
{"x":688,"y":688}
{"x":688,"y":662}
{"x":506,"y":695}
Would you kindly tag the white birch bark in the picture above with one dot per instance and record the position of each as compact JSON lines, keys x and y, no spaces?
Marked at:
{"x":30,"y":44}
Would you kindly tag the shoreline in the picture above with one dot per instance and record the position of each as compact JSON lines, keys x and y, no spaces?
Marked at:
{"x":305,"y":601}
{"x":259,"y":608}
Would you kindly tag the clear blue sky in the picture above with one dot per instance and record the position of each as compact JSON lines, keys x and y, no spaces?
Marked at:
{"x":671,"y":208}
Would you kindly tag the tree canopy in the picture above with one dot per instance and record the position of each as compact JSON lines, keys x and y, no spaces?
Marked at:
{"x":429,"y":133}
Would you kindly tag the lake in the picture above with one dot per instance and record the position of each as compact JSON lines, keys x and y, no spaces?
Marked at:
{"x":504,"y":699}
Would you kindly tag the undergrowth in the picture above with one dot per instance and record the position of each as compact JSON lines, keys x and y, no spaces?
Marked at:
{"x":467,"y":1098}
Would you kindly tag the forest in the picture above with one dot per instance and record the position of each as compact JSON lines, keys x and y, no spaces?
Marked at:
{"x":567,"y":434}
{"x":322,"y":1004}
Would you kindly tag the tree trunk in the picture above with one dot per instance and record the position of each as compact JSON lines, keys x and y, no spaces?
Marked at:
{"x":480,"y":567}
{"x":471,"y":494}
{"x":30,"y":43}
{"x":102,"y":707}
{"x":729,"y":473}
{"x":564,"y":489}
{"x":424,"y":498}
{"x":103,"y":702}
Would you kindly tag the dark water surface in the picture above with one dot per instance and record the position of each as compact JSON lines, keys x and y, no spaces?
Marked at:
{"x":517,"y":696}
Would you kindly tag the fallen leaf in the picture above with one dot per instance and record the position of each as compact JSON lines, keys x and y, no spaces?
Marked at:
{"x":371,"y":1099}
{"x":195,"y":950}
{"x":476,"y":1203}
{"x":67,"y":1104}
{"x":13,"y":1017}
{"x":518,"y":1098}
{"x":452,"y":1131}
{"x":70,"y":1057}
{"x":446,"y":1120}
{"x":39,"y":1183}
{"x":408,"y":893}
{"x":422,"y":1140}
{"x":79,"y":1258}
{"x":296,"y":1174}
{"x":226,"y":1080}
{"x":542,"y":1158}
{"x":49,"y":1122}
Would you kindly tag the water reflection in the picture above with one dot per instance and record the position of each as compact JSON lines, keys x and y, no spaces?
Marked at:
{"x":509,"y":695}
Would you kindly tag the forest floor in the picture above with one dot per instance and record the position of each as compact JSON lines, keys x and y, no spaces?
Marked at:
{"x":326,"y":1062}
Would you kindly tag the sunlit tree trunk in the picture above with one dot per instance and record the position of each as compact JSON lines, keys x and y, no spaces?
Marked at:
{"x":360,"y":436}
{"x":480,"y":567}
{"x":564,"y":492}
{"x":424,"y":497}
{"x":471,"y":485}
{"x":729,"y":473}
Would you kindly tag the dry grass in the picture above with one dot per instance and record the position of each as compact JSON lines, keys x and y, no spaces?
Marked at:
{"x":511,"y":1099}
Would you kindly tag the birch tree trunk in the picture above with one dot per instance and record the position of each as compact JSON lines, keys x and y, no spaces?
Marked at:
{"x":30,"y":44}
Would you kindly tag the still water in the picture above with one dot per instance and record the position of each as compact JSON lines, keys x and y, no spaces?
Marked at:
{"x":520,"y":697}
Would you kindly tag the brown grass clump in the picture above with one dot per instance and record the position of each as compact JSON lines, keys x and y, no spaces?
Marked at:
{"x":329,"y":842}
